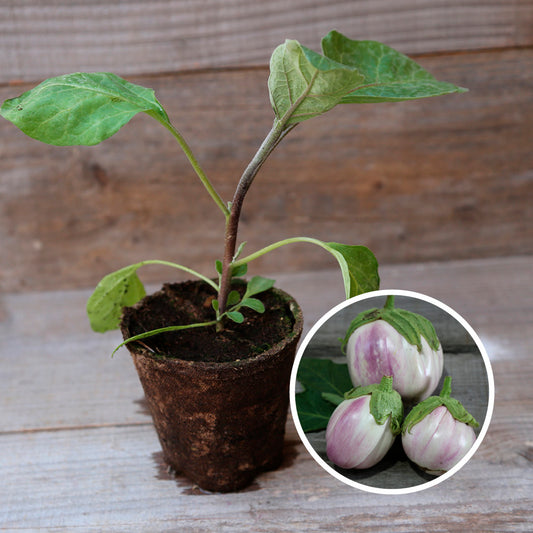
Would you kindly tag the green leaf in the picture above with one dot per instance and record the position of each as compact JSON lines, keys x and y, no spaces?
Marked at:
{"x":239,"y":270}
{"x":323,"y":381}
{"x":313,"y":411}
{"x":81,"y":108}
{"x":218,"y":266}
{"x":236,"y":316}
{"x":303,"y":84}
{"x":119,"y":289}
{"x":239,"y":250}
{"x":359,"y":268}
{"x":233,"y":298}
{"x":323,"y":375}
{"x":258,"y":284}
{"x":214,"y":304}
{"x":388,"y":75}
{"x":254,"y":303}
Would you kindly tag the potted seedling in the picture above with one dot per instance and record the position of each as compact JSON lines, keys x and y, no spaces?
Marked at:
{"x":214,"y":355}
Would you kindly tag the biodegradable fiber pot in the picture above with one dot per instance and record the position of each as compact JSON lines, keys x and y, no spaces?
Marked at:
{"x":219,"y":423}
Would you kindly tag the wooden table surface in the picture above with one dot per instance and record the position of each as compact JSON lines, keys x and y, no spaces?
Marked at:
{"x":78,"y":451}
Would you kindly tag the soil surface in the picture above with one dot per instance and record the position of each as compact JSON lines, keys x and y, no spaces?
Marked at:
{"x":190,"y":302}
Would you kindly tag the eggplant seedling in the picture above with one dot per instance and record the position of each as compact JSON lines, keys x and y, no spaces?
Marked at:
{"x":87,"y":108}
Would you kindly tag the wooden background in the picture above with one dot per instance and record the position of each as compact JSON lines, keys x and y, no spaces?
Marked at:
{"x":438,"y":179}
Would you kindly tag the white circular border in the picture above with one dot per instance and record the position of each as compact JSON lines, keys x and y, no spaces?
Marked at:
{"x":318,"y":325}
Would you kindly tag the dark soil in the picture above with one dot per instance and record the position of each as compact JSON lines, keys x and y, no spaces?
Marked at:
{"x":190,"y":302}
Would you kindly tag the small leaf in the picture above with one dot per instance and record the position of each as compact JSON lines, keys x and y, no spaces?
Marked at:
{"x":80,"y":109}
{"x":359,"y":268}
{"x":313,"y":411}
{"x":233,"y":297}
{"x":218,"y":266}
{"x":304,"y":84}
{"x":239,"y":270}
{"x":214,"y":303}
{"x":239,"y":249}
{"x":254,"y":303}
{"x":236,"y":316}
{"x":119,"y":289}
{"x":258,"y":284}
{"x":388,"y":75}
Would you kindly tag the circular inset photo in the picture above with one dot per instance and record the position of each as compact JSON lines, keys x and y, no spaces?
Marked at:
{"x":392,"y":392}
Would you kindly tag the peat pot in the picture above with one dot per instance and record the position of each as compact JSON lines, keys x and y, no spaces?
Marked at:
{"x":219,"y":423}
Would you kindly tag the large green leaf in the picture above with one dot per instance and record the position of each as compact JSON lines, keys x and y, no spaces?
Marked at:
{"x":359,"y":267}
{"x":304,"y":84}
{"x":388,"y":75}
{"x":323,"y":375}
{"x":320,"y":378}
{"x":80,"y":109}
{"x":313,"y":411}
{"x":119,"y":289}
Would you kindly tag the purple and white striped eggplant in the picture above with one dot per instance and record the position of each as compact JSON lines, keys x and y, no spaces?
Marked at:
{"x":363,"y":427}
{"x":394,"y":342}
{"x":438,"y":433}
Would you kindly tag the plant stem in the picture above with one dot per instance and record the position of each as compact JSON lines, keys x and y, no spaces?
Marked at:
{"x":276,"y":134}
{"x":195,"y":165}
{"x":389,"y":304}
{"x":181,"y":267}
{"x":153,"y":332}
{"x":386,"y":384}
{"x":275,"y":245}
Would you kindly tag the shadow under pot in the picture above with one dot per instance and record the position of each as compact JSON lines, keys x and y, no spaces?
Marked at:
{"x":220,"y":419}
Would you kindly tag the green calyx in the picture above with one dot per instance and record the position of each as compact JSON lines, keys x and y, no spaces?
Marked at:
{"x":424,"y":408}
{"x":411,"y":326}
{"x":385,"y":402}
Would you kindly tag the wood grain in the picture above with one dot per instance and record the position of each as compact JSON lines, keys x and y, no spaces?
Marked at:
{"x":79,"y":452}
{"x":441,"y":178}
{"x":482,"y":291}
{"x":51,"y":37}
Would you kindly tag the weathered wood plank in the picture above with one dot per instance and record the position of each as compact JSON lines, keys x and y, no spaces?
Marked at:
{"x":112,"y":479}
{"x":71,"y":460}
{"x":437,"y":179}
{"x":41,"y":39}
{"x":59,"y":374}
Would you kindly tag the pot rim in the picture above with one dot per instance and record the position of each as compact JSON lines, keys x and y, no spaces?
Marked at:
{"x":239,"y":364}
